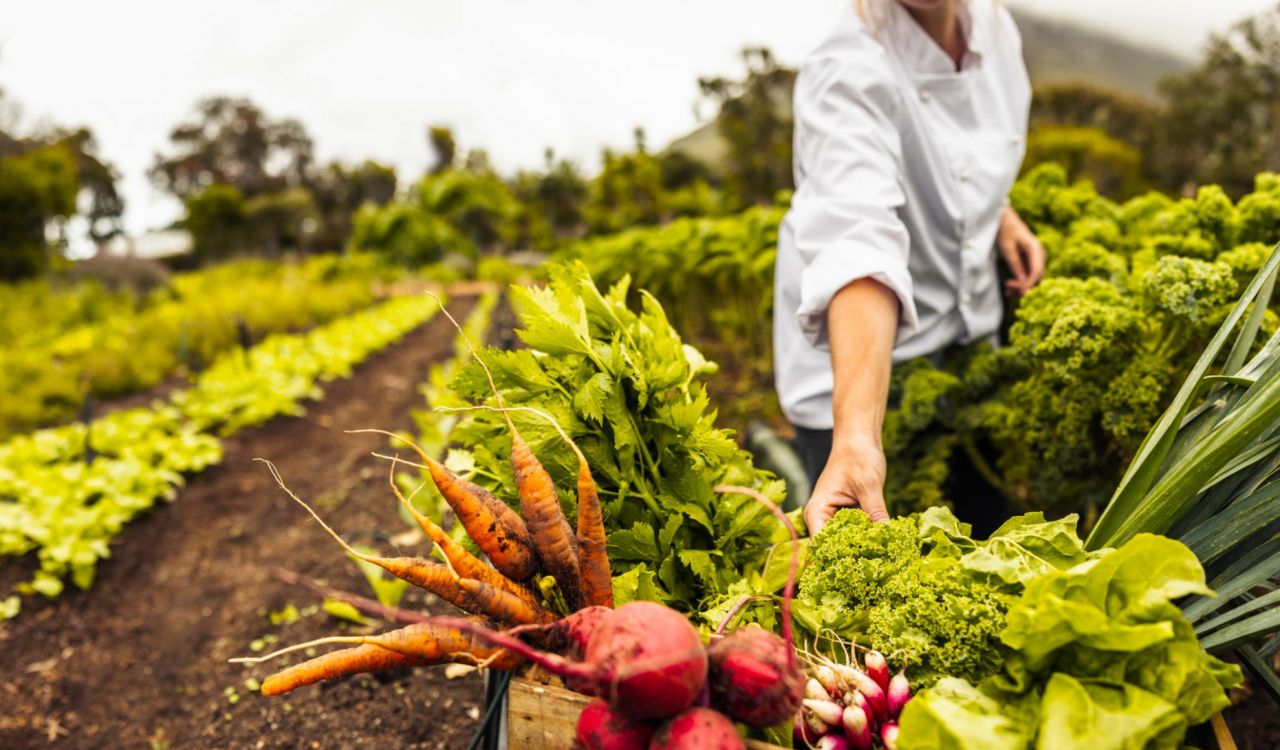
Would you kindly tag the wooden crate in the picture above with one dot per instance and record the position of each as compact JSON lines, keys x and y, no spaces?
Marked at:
{"x":543,"y":716}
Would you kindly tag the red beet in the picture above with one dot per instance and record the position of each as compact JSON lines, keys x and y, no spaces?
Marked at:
{"x":698,"y":729}
{"x":602,"y":728}
{"x":755,"y":678}
{"x":644,"y":658}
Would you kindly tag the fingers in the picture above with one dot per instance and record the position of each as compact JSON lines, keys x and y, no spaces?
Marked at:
{"x":1035,"y":260}
{"x":872,"y":503}
{"x":1010,"y":251}
{"x":820,"y":509}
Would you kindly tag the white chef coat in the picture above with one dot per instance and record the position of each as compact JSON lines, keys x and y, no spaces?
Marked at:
{"x":902,"y":166}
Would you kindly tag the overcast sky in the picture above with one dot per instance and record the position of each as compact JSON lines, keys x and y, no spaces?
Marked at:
{"x":513,"y":76}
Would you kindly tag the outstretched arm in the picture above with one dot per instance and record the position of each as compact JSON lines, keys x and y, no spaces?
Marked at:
{"x":862,"y":321}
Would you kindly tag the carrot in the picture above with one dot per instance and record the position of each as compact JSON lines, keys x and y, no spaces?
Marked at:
{"x":553,"y":539}
{"x":467,"y":565}
{"x":499,"y":532}
{"x":593,"y":560}
{"x":420,"y":644}
{"x":335,"y":664}
{"x":477,"y":598}
{"x":597,"y":579}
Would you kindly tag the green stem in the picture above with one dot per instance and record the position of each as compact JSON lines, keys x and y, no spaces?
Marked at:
{"x":988,"y":473}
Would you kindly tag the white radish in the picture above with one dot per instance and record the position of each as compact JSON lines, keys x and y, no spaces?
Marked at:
{"x":897,"y":695}
{"x":857,"y":728}
{"x":828,"y":678}
{"x":813,"y":690}
{"x":826,"y":711}
{"x":833,"y":742}
{"x":877,"y":669}
{"x":889,"y":736}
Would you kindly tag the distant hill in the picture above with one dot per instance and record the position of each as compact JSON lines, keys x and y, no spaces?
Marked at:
{"x":1056,"y":51}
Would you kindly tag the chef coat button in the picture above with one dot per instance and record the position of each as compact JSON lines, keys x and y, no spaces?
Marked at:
{"x":924,"y":95}
{"x":965,"y":298}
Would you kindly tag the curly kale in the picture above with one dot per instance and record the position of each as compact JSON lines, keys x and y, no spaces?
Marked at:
{"x":922,"y":592}
{"x":1130,"y":296}
{"x":1187,"y":291}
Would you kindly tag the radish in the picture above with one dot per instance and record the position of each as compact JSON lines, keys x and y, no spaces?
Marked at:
{"x":889,"y":736}
{"x":644,"y":658}
{"x":897,"y":695}
{"x":816,"y":727}
{"x":854,"y":698}
{"x":698,"y":729}
{"x":602,"y":728}
{"x":813,"y":690}
{"x":857,"y":727}
{"x":833,"y":742}
{"x":877,"y":669}
{"x":801,"y":731}
{"x":828,"y":678}
{"x":755,"y":677}
{"x":825,"y":711}
{"x":872,"y":691}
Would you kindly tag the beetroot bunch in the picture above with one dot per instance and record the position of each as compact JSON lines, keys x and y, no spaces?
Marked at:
{"x":682,"y":695}
{"x":847,"y":708}
{"x":750,"y":676}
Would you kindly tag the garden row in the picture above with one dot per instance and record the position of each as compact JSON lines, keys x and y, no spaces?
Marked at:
{"x":66,"y":491}
{"x":68,"y":341}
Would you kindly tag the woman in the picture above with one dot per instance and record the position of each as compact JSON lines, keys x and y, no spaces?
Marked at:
{"x":910,"y":126}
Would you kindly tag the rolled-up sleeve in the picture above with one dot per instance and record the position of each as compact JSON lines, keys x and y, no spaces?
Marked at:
{"x":848,"y":157}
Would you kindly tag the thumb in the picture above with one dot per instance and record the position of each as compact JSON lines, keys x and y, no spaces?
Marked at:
{"x":872,"y":503}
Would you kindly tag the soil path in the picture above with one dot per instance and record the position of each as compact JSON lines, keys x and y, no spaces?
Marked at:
{"x":140,"y":660}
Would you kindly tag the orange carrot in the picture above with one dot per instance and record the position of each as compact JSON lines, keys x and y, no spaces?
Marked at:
{"x":420,"y":644}
{"x":434,"y":577}
{"x":503,"y":606}
{"x":335,"y":664}
{"x":465,"y":563}
{"x":552,"y":537}
{"x":549,"y":531}
{"x":593,"y":560}
{"x":498,"y":530}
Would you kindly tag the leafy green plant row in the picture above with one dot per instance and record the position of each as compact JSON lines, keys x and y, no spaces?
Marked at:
{"x":66,"y":491}
{"x":67,"y":341}
{"x":1132,"y":295}
{"x":714,"y":276}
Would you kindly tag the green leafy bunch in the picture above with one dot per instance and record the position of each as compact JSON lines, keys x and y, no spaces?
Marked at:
{"x":1131,"y":294}
{"x":1098,"y":657}
{"x":622,"y":383}
{"x":922,"y":591}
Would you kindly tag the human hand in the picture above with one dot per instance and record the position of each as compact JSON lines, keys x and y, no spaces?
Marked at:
{"x":1022,"y":251}
{"x":852,"y":478}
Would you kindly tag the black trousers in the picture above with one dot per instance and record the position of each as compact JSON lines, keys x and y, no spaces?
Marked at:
{"x":976,"y":501}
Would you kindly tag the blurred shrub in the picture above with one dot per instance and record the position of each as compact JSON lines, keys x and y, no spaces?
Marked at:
{"x":1114,"y":167}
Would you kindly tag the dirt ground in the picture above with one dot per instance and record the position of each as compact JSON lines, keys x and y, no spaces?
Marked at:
{"x":140,"y":660}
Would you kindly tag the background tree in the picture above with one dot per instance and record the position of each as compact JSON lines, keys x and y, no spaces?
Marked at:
{"x":337,"y":191}
{"x":1222,"y":119}
{"x":627,"y":191}
{"x":232,"y":142}
{"x":445,"y":147}
{"x":37,"y":191}
{"x":556,"y":194}
{"x":218,"y":223}
{"x":755,"y":120}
